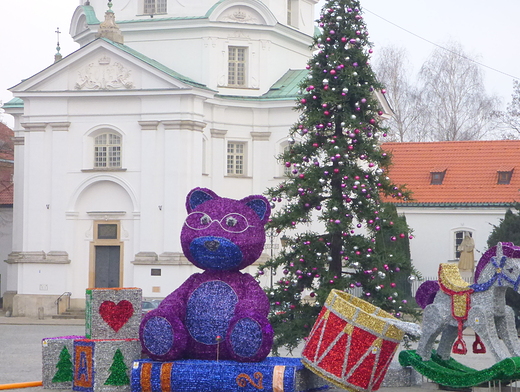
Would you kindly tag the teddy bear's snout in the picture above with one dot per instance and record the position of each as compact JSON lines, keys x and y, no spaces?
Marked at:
{"x":211,"y":245}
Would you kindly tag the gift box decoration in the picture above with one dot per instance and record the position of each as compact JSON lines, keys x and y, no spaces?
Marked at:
{"x":57,"y":362}
{"x":113,"y":313}
{"x":352,"y":343}
{"x":104,"y":365}
{"x":194,"y":375}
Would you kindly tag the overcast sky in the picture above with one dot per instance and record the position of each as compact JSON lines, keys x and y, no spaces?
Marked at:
{"x":488,"y":30}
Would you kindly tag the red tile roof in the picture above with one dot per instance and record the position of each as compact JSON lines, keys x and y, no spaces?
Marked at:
{"x":471,"y":170}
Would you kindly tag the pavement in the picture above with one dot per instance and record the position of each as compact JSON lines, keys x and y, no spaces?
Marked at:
{"x":21,"y":358}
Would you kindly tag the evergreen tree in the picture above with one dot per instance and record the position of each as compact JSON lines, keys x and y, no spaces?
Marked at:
{"x":508,"y":230}
{"x":338,"y":179}
{"x":64,"y":366}
{"x":118,"y":374}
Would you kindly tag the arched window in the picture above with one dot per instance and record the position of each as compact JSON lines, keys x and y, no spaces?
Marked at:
{"x":107,"y":150}
{"x":287,"y":171}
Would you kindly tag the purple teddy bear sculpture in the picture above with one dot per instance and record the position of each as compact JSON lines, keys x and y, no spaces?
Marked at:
{"x":222,"y":312}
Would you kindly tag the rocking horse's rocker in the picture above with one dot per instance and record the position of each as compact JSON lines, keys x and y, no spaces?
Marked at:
{"x":452,"y":305}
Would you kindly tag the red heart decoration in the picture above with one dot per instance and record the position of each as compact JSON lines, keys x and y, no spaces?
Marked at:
{"x":116,"y":315}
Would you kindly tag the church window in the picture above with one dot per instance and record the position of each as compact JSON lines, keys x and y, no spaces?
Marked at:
{"x":287,"y":170}
{"x":237,"y":66}
{"x":107,"y":150}
{"x":236,"y":158}
{"x":292,"y":13}
{"x":155,"y":6}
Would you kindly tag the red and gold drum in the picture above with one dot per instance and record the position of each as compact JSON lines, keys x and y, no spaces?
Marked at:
{"x":352,"y":343}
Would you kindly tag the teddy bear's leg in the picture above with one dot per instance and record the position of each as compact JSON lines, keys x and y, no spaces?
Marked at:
{"x":163,"y":336}
{"x":249,"y":338}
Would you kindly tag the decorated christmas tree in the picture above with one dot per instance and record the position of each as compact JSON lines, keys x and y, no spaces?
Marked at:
{"x":340,"y":233}
{"x":64,"y":366}
{"x":118,"y":371}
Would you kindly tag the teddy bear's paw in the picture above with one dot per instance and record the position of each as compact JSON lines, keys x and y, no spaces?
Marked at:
{"x":163,"y":337}
{"x":249,"y":338}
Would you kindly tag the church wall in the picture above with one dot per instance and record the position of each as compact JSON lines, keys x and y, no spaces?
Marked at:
{"x":205,"y":53}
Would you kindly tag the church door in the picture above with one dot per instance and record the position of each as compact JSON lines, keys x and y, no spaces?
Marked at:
{"x":107,"y":266}
{"x":106,"y":255}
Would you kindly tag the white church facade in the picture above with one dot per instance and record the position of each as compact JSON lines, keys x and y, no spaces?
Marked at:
{"x":111,"y":138}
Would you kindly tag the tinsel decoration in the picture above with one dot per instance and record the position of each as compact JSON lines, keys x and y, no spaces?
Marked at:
{"x":451,"y":373}
{"x":64,"y":366}
{"x":191,"y":375}
{"x":57,"y":361}
{"x":102,"y":364}
{"x":352,"y":343}
{"x":459,"y":291}
{"x":116,"y":315}
{"x":236,"y":224}
{"x":118,"y":371}
{"x":113,"y":313}
{"x":477,"y":306}
{"x":221,"y":312}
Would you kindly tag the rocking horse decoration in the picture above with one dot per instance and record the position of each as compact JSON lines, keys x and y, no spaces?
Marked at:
{"x":450,"y":305}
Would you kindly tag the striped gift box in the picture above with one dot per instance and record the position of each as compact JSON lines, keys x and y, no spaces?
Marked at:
{"x":272,"y":374}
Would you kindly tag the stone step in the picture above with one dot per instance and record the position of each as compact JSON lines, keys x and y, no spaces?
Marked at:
{"x":71,"y":314}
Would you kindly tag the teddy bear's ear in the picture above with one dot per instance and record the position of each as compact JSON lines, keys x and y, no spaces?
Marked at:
{"x":259,"y":205}
{"x":198,"y":196}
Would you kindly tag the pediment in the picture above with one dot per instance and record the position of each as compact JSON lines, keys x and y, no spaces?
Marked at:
{"x":103,"y":66}
{"x":243,"y":11}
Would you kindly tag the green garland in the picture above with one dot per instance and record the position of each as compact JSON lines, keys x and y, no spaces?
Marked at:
{"x":451,"y":373}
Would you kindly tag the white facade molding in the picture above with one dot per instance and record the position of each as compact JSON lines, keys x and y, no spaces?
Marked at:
{"x":34,"y":127}
{"x":218,"y":133}
{"x":260,"y":136}
{"x":18,"y":140}
{"x":149,"y":125}
{"x":60,"y":126}
{"x":97,"y":179}
{"x":165,"y":258}
{"x":104,"y":75}
{"x":39,"y":257}
{"x":183,"y":125}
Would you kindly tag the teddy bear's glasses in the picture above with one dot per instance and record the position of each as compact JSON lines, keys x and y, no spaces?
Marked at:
{"x":232,"y":223}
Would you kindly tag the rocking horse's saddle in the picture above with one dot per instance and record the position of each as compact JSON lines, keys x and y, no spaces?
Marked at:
{"x":460,"y":292}
{"x":450,"y":280}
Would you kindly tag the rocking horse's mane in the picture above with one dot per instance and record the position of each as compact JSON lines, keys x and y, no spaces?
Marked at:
{"x":508,"y":249}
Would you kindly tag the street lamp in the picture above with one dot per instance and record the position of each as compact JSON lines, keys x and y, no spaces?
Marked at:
{"x":272,"y":234}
